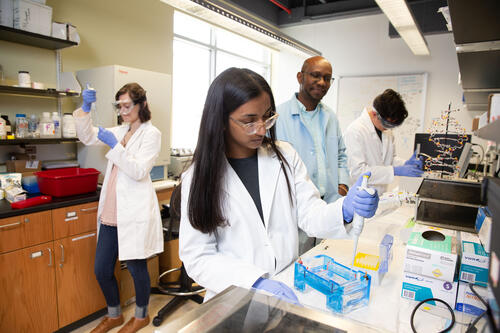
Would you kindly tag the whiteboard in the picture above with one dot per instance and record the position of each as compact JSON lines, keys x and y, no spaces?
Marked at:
{"x":357,"y":92}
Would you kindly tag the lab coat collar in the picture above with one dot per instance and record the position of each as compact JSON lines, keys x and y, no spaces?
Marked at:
{"x":269,"y":169}
{"x":136,"y":134}
{"x":301,"y":107}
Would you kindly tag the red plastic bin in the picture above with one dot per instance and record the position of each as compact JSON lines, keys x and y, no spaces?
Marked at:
{"x":67,"y":181}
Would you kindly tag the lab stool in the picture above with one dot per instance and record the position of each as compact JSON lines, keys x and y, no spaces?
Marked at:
{"x":183,"y":288}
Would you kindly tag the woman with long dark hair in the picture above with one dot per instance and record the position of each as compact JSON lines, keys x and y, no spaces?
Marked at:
{"x":246,"y":194}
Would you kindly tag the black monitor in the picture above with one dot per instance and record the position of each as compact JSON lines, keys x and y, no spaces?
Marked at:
{"x":428,"y":147}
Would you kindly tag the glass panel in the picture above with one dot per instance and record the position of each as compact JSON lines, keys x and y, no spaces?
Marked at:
{"x":225,"y":60}
{"x":191,"y":27}
{"x":190,"y":85}
{"x":240,"y":45}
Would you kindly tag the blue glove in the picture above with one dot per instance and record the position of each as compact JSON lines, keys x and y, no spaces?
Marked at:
{"x":408,"y":170}
{"x":107,"y":137}
{"x":415,"y":161}
{"x":89,"y":97}
{"x":359,"y":200}
{"x":279,"y":289}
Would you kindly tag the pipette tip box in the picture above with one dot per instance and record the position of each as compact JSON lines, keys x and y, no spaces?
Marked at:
{"x":345,"y":289}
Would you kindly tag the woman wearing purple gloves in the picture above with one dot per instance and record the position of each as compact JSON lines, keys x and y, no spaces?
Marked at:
{"x":246,"y":195}
{"x":129,"y":220}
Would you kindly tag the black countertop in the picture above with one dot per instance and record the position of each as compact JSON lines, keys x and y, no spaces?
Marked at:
{"x":57,"y":202}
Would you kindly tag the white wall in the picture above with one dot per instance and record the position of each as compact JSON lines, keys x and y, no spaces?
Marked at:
{"x":361,"y":46}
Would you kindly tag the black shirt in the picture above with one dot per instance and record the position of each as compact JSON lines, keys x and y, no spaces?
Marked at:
{"x":379,"y":133}
{"x":248,"y":171}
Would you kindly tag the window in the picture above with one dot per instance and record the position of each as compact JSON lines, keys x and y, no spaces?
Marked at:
{"x":201,"y":52}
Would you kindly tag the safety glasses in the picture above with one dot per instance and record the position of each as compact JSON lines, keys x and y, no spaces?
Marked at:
{"x":123,"y":107}
{"x":252,"y":128}
{"x":387,"y":124}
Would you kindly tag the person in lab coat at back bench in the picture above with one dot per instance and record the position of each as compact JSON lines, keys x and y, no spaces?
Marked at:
{"x":246,"y":194}
{"x":370,"y":143}
{"x":129,"y":220}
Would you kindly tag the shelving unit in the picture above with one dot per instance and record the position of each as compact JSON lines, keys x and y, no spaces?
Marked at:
{"x":46,"y":42}
{"x":36,"y":141}
{"x":52,"y":93}
{"x":33,"y":39}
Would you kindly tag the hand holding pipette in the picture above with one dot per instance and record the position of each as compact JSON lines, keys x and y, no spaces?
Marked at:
{"x":89,"y":97}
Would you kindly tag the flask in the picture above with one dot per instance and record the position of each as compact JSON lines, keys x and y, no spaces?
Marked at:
{"x":21,"y":126}
{"x":46,"y":126}
{"x":56,"y":119}
{"x":68,"y":129}
{"x":8,"y":127}
{"x":33,"y":130}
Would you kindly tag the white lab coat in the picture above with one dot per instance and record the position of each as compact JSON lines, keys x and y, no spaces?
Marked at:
{"x":140,"y":231}
{"x":365,"y":152}
{"x":246,"y":249}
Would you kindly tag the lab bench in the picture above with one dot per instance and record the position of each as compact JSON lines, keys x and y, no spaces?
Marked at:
{"x":386,"y":310}
{"x":47,"y":255}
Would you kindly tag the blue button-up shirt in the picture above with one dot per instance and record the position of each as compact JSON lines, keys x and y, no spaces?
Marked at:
{"x":317,"y":138}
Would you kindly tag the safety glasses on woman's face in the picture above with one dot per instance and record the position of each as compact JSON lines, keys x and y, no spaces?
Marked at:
{"x":253,"y":127}
{"x":123,"y":107}
{"x":387,"y":124}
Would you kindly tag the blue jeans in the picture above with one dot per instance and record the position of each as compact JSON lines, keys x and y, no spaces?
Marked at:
{"x":105,"y":260}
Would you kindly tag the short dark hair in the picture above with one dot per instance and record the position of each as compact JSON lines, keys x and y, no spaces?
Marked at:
{"x":138,"y":95}
{"x":391,"y":106}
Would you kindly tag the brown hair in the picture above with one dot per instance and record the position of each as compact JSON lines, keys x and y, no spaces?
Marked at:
{"x":138,"y":96}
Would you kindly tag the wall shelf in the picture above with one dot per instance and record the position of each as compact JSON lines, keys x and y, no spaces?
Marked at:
{"x":11,"y":90}
{"x":490,"y":132}
{"x":29,"y":38}
{"x":36,"y":141}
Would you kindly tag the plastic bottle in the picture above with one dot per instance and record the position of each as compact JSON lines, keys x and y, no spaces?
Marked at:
{"x":56,"y":119}
{"x":69,"y":129}
{"x":8,"y":127}
{"x":33,"y":130}
{"x":21,"y":126}
{"x":46,"y":126}
{"x":3,"y":132}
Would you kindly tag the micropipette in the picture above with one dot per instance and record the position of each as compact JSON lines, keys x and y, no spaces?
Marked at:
{"x":358,"y":221}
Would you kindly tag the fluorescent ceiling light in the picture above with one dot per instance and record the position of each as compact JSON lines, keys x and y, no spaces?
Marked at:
{"x":242,"y":23}
{"x":400,"y":16}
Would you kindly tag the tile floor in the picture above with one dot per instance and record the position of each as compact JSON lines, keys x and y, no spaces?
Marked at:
{"x":156,"y":302}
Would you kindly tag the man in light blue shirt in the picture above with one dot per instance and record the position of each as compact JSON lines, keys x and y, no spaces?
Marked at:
{"x":313,"y":130}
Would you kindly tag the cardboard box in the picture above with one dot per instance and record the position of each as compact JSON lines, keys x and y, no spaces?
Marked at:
{"x":474,"y":261}
{"x":23,"y":166}
{"x":418,"y":287}
{"x":435,"y":259}
{"x":32,"y":16}
{"x":7,"y":13}
{"x":475,"y":123}
{"x":468,"y":302}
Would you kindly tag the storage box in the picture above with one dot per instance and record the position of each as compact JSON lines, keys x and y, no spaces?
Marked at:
{"x":431,"y":258}
{"x":475,"y":123}
{"x":66,"y":182}
{"x":418,"y":287}
{"x":474,"y":262}
{"x":59,"y":30}
{"x":468,"y":302}
{"x":23,"y":165}
{"x":7,"y":13}
{"x":32,"y":16}
{"x":484,"y":119}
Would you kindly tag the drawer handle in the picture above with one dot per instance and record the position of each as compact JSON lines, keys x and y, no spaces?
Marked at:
{"x":62,"y":255}
{"x":50,"y":256}
{"x":83,"y":237}
{"x":71,"y":219}
{"x":88,"y":209}
{"x":9,"y":225}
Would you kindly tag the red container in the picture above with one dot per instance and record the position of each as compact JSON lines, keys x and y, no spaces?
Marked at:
{"x":67,"y":181}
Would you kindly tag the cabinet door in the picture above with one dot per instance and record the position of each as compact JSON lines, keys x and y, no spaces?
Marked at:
{"x":28,"y":290}
{"x":78,"y":293}
{"x":25,"y":230}
{"x":74,"y":220}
